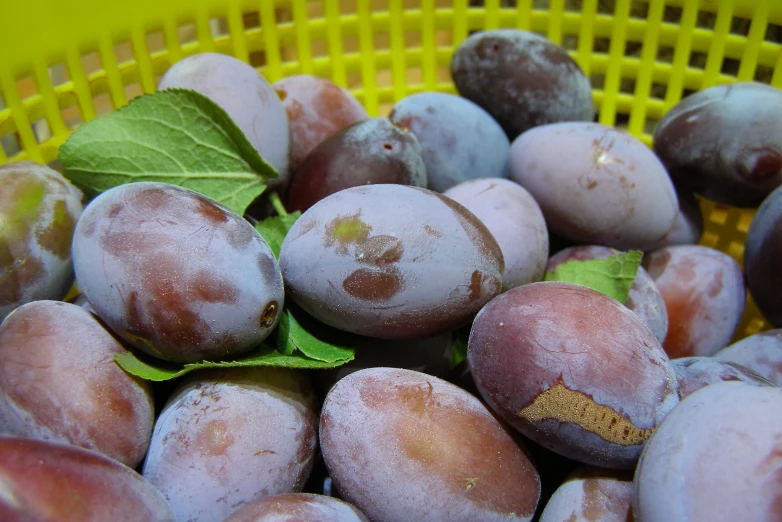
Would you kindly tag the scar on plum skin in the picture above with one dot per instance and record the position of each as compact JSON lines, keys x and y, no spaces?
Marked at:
{"x":565,"y":405}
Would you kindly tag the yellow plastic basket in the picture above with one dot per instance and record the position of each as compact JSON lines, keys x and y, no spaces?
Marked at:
{"x":63,"y":62}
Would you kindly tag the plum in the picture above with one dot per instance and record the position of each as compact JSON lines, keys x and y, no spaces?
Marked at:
{"x":38,"y":213}
{"x":761,"y":353}
{"x":297,"y":507}
{"x":694,"y":373}
{"x":592,"y":494}
{"x":762,"y":258}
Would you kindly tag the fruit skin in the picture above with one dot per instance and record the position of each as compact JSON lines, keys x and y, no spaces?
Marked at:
{"x":38,"y":212}
{"x":644,"y":298}
{"x":402,"y":446}
{"x":595,"y":184}
{"x":762,"y":257}
{"x":725,"y":142}
{"x":522,"y":79}
{"x":761,"y":353}
{"x":316,"y":108}
{"x":573,"y":370}
{"x":231,"y":436}
{"x":44,"y":481}
{"x":592,"y":494}
{"x":459,"y":140}
{"x":59,"y":383}
{"x":246,"y":96}
{"x":688,"y":226}
{"x":715,"y":457}
{"x":297,"y":507}
{"x":391,"y":261}
{"x":704,"y":295}
{"x":694,"y":373}
{"x":514,"y":219}
{"x":176,"y":274}
{"x":368,"y":152}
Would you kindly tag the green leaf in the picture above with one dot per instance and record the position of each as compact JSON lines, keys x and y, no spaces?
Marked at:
{"x":612,"y":276}
{"x":175,"y":136}
{"x":459,"y":348}
{"x":300,"y":332}
{"x":274,"y":230}
{"x":151,"y":369}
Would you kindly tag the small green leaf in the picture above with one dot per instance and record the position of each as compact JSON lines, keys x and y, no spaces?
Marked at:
{"x":173,"y":136}
{"x":612,"y":276}
{"x":274,"y":230}
{"x":459,"y":349}
{"x":300,"y":332}
{"x":150,"y":369}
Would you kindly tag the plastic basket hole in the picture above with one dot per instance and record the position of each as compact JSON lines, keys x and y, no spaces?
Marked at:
{"x":26,"y":87}
{"x":251,"y":20}
{"x":41,"y":130}
{"x":443,"y":74}
{"x":348,"y":6}
{"x":719,"y":215}
{"x":755,"y":326}
{"x":601,"y":45}
{"x":542,"y":5}
{"x":288,"y":53}
{"x":381,"y":41}
{"x":383,"y":78}
{"x":10,"y":144}
{"x":665,"y":54}
{"x":763,"y":74}
{"x":730,"y":66}
{"x":412,"y":40}
{"x":91,"y":63}
{"x":639,"y":9}
{"x":621,"y":121}
{"x":698,"y":59}
{"x":71,"y":116}
{"x":740,"y":26}
{"x":598,"y":81}
{"x":710,"y":239}
{"x":705,"y":20}
{"x":133,"y":91}
{"x":257,"y":59}
{"x":186,"y":33}
{"x":414,"y":75}
{"x":606,"y":7}
{"x":736,"y":250}
{"x":774,"y":33}
{"x":58,"y":74}
{"x":218,"y":27}
{"x":2,"y":102}
{"x":320,"y":48}
{"x":124,"y":52}
{"x":672,"y":14}
{"x":658,"y":90}
{"x":627,"y":85}
{"x":350,"y":44}
{"x":354,"y":80}
{"x":570,"y":42}
{"x":102,"y":103}
{"x":156,"y":42}
{"x":650,"y":125}
{"x":744,"y":222}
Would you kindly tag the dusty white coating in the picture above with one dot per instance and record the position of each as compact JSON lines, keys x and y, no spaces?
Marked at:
{"x":522,"y":79}
{"x":21,"y":234}
{"x":693,"y":373}
{"x":591,"y":495}
{"x":59,"y":383}
{"x":704,"y":295}
{"x":595,"y":184}
{"x":515,"y":220}
{"x":245,"y":95}
{"x":459,"y":140}
{"x":316,"y":108}
{"x":761,"y":353}
{"x":297,"y":507}
{"x":715,"y":457}
{"x":230,"y":438}
{"x":396,"y":469}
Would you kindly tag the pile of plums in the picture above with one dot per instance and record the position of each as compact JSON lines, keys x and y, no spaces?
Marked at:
{"x":434,"y":224}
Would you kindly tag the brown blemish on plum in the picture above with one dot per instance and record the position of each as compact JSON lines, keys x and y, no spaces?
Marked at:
{"x":214,"y":439}
{"x":600,"y":501}
{"x":345,"y":230}
{"x":565,"y":405}
{"x":715,"y":286}
{"x":657,"y":265}
{"x":432,"y":232}
{"x":240,"y":235}
{"x":208,"y":288}
{"x":56,"y":238}
{"x":20,"y":275}
{"x":373,"y":285}
{"x":281,"y":94}
{"x":768,"y":163}
{"x":475,"y":285}
{"x":379,"y":251}
{"x":150,"y":198}
{"x":213,"y":214}
{"x":269,"y":314}
{"x":592,"y":184}
{"x":268,"y":268}
{"x":306,"y":227}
